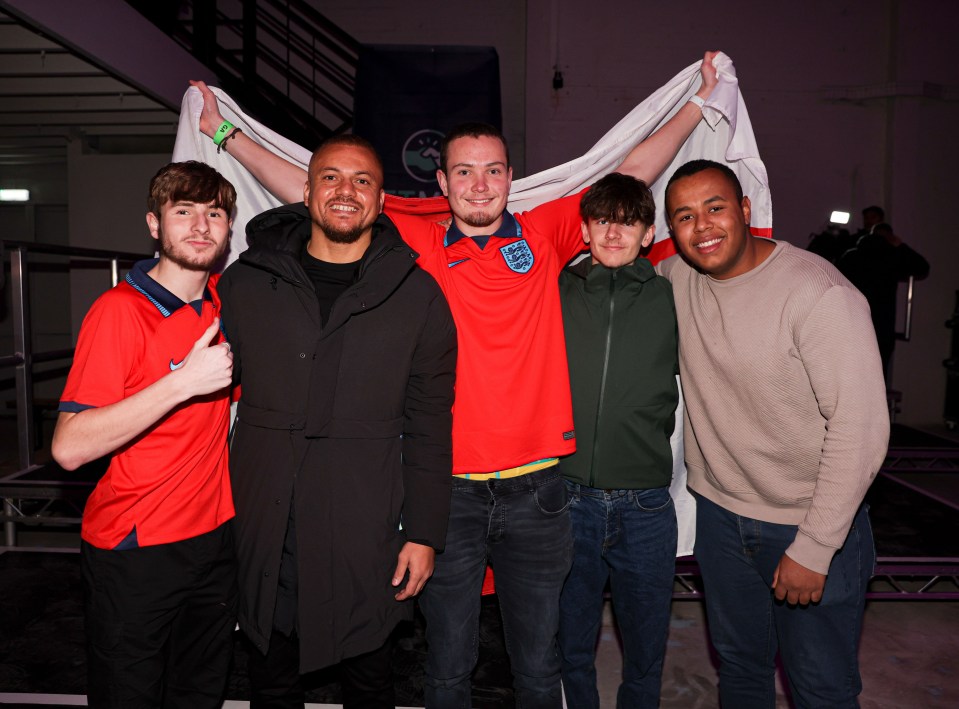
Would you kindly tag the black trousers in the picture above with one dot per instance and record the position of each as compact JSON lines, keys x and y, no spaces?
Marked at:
{"x":366,"y":680}
{"x":159,"y":623}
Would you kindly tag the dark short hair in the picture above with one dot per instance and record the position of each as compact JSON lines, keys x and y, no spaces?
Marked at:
{"x":619,"y":198}
{"x":696,"y":166}
{"x":875,"y":209}
{"x":349,"y":140}
{"x":471,"y":130}
{"x":190,"y":181}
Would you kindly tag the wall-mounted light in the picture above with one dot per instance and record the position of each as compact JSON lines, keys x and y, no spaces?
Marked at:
{"x":838,"y":217}
{"x":7,"y":195}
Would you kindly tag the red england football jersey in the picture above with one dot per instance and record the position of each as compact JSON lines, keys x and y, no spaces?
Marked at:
{"x":172,"y":482}
{"x":512,"y":382}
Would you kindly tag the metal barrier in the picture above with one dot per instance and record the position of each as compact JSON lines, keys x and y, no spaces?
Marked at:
{"x":24,"y":358}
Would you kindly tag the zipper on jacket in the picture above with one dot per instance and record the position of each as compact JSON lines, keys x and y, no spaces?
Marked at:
{"x":602,"y":383}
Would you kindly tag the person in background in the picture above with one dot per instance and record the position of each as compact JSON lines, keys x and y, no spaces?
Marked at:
{"x":876,"y":265}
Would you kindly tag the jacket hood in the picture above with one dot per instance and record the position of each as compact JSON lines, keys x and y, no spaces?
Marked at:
{"x":277,"y":237}
{"x":641,"y":270}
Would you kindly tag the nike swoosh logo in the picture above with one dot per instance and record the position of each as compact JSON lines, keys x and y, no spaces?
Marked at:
{"x":174,"y":367}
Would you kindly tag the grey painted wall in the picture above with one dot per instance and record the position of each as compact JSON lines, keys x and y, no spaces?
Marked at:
{"x":835,"y":94}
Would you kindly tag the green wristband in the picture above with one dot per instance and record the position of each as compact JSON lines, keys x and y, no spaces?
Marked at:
{"x":222,"y":132}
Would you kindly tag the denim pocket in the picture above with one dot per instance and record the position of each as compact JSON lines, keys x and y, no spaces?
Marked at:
{"x":655,"y":499}
{"x":551,"y":498}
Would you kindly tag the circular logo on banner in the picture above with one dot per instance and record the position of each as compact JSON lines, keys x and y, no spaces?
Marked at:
{"x":421,"y":154}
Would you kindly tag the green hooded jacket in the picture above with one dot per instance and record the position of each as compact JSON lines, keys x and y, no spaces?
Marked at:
{"x":622,"y":345}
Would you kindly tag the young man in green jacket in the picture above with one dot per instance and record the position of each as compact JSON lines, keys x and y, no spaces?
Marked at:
{"x":621,"y":341}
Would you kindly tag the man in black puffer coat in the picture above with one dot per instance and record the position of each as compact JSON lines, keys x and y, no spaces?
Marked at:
{"x":341,"y":454}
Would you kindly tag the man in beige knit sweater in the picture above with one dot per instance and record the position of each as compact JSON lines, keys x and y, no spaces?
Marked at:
{"x":786,"y":427}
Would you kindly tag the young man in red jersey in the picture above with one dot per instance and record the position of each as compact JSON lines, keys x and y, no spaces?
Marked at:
{"x":150,"y":387}
{"x":512,"y":418}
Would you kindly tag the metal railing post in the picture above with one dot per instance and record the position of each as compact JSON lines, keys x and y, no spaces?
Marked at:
{"x":23,"y":349}
{"x":906,"y":333}
{"x":24,"y":357}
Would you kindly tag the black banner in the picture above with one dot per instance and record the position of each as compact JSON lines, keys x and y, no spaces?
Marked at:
{"x":408,"y":97}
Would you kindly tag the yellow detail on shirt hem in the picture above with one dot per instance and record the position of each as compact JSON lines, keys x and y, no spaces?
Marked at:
{"x":511,"y":472}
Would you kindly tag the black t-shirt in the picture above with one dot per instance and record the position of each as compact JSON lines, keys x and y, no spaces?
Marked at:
{"x":329,"y":280}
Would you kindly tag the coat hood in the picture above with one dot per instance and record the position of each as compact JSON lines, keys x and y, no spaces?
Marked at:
{"x":277,"y":237}
{"x":640,"y":271}
{"x":276,"y":241}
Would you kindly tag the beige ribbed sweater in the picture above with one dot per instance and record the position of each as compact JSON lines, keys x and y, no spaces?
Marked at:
{"x":786,"y":417}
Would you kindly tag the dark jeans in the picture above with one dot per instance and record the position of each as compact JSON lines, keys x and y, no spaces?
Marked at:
{"x":818,"y":643}
{"x":521,"y":525}
{"x":629,"y":538}
{"x":366,"y":680}
{"x":159,"y":622}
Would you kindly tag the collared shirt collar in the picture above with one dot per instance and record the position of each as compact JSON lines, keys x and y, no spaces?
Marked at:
{"x":508,"y":229}
{"x":163,"y":299}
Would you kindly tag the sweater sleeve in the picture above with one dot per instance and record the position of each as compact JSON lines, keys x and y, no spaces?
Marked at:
{"x":839,"y":353}
{"x":427,"y":430}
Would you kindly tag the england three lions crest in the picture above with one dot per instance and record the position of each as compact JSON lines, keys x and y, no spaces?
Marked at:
{"x":518,"y":255}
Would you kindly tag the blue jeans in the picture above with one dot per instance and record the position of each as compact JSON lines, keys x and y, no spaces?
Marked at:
{"x":628,"y":537}
{"x":521,"y":525}
{"x":819,"y":643}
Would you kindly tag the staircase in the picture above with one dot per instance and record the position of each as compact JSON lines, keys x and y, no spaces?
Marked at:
{"x":284,"y":62}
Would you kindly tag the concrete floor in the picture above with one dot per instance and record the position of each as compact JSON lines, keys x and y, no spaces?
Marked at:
{"x":909,"y":653}
{"x":909,"y":658}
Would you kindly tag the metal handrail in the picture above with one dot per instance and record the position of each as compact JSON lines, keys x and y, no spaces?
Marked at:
{"x":23,"y":357}
{"x":307,"y":38}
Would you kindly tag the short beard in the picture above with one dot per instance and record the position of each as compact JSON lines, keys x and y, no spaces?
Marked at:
{"x":198,"y":265}
{"x":342,"y":236}
{"x":479,"y":219}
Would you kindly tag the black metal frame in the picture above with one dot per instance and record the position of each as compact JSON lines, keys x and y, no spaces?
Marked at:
{"x":23,"y":359}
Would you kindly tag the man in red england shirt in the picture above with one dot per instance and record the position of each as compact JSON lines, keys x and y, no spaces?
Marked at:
{"x":150,"y":387}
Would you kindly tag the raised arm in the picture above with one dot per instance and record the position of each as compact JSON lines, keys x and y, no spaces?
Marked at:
{"x":282,"y":178}
{"x":648,"y":159}
{"x":93,"y":433}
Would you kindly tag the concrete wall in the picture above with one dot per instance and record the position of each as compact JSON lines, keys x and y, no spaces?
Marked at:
{"x":107,"y":196}
{"x":831,"y":91}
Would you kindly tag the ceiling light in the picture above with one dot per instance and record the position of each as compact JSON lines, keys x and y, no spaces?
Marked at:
{"x":14,"y":195}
